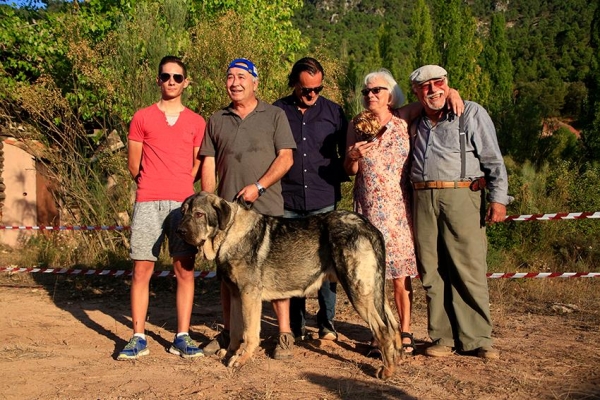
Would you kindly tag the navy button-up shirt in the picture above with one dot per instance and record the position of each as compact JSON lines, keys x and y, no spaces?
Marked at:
{"x":313,"y":182}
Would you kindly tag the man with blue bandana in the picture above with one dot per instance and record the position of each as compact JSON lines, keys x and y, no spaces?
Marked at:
{"x":248,"y":145}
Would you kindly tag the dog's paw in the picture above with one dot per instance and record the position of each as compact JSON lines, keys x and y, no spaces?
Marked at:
{"x":239,"y":359}
{"x":236,"y":362}
{"x":221,"y":353}
{"x":232,"y":362}
{"x":383,"y":373}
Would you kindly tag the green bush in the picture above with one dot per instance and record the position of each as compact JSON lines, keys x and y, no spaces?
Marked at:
{"x":557,"y":245}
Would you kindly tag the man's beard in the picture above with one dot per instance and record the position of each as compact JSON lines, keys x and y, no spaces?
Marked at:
{"x":431,"y":102}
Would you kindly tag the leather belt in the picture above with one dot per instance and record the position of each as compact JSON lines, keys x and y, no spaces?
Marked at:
{"x":441,"y":185}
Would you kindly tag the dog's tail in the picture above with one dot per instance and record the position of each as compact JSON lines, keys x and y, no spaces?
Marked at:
{"x":387,"y":326}
{"x":360,"y":267}
{"x":365,"y":284}
{"x":380,"y":317}
{"x":381,"y":304}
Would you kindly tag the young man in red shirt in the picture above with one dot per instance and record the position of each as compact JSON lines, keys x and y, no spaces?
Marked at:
{"x":164,"y":140}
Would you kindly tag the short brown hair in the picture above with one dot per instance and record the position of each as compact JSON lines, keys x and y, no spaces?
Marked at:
{"x":172,"y":59}
{"x":306,"y":64}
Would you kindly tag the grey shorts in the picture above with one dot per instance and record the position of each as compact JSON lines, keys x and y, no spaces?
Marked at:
{"x":152,"y":220}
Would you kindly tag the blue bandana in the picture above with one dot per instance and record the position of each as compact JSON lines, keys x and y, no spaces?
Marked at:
{"x":244,"y":64}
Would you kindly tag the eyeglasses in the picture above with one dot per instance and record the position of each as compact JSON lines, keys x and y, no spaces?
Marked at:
{"x":375,"y":90}
{"x":436,"y":83}
{"x":164,"y":77}
{"x":307,"y":90}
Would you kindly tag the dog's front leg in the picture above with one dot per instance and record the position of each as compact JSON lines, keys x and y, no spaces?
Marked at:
{"x":251,"y":307}
{"x":236,"y":325}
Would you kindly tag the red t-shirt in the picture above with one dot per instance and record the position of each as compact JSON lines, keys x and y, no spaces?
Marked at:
{"x":167,"y":153}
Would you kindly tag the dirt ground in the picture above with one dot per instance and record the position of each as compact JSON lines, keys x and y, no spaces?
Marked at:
{"x":59,"y":336}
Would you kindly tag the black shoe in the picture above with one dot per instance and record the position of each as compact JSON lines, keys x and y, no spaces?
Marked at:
{"x":327,"y":334}
{"x":303,"y":335}
{"x":221,"y":341}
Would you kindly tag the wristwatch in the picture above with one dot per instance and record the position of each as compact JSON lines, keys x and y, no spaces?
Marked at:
{"x":260,"y":188}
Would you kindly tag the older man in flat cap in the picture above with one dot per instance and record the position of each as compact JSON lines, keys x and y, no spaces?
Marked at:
{"x":455,"y":161}
{"x":249,"y":146}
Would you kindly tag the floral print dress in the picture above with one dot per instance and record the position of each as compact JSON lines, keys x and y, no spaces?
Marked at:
{"x":382,"y":194}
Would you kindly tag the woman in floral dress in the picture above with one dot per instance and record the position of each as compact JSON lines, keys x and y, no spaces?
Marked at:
{"x":382,"y":191}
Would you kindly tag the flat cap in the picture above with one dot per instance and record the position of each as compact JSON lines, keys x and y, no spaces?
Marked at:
{"x":426,"y":73}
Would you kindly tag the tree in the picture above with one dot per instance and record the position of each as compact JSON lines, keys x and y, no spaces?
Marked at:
{"x":79,"y":72}
{"x":459,"y":46}
{"x":271,"y":18}
{"x":29,"y":47}
{"x":496,"y":62}
{"x":591,"y":131}
{"x":425,"y":48}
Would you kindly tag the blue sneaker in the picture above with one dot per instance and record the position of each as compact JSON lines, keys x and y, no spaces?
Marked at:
{"x":185,"y":347}
{"x":136,"y":348}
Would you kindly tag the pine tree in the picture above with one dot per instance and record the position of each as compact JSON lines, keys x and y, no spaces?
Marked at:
{"x":425,"y":48}
{"x":496,"y":64}
{"x":459,"y":46}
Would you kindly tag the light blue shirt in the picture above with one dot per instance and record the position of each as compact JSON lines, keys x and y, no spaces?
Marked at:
{"x":436,"y":151}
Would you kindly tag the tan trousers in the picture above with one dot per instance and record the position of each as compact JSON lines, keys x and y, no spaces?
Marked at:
{"x":451,"y":249}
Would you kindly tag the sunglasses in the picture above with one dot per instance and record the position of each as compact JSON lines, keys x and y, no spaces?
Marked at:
{"x":436,"y":83}
{"x":164,"y":77}
{"x":307,"y":90}
{"x":375,"y":90}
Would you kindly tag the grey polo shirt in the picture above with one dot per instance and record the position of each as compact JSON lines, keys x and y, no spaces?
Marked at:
{"x":436,"y":151}
{"x":244,"y":149}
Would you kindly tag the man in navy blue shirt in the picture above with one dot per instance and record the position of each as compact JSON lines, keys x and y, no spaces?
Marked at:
{"x":312,"y":185}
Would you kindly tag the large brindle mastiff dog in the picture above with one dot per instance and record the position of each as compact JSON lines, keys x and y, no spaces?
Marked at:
{"x":266,"y":258}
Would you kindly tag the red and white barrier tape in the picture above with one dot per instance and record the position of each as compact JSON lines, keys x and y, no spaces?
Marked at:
{"x":518,"y":275}
{"x":555,"y":216}
{"x":537,"y":275}
{"x":66,"y":228}
{"x":99,"y":272}
{"x":212,"y":274}
{"x":524,"y":217}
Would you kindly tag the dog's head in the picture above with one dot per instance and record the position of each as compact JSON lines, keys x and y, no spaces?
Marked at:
{"x":205,"y":215}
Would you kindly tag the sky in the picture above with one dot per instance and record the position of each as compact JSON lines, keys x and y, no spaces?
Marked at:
{"x":20,"y":3}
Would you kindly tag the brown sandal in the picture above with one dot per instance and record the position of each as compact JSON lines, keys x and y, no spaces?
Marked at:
{"x":411,"y":345}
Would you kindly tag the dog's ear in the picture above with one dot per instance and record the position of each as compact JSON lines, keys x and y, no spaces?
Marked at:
{"x":209,"y":249}
{"x":223,"y":214}
{"x":186,"y":203}
{"x":223,"y":210}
